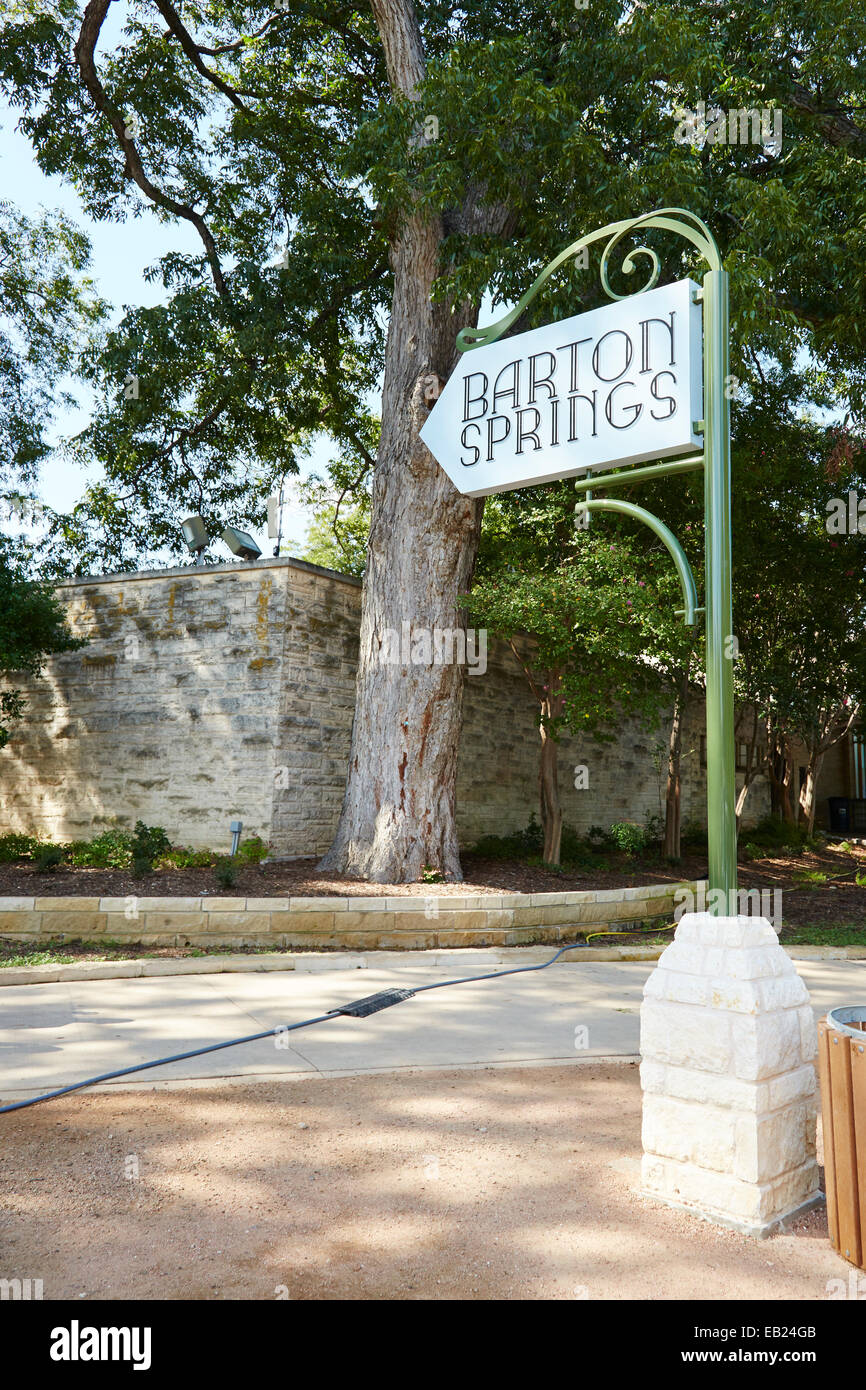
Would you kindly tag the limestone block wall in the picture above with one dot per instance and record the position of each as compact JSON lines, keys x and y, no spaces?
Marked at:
{"x":208,"y":694}
{"x":409,"y":923}
{"x":167,"y":715}
{"x":315,"y":707}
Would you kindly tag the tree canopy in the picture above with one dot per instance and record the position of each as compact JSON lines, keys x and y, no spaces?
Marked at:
{"x":273,"y":131}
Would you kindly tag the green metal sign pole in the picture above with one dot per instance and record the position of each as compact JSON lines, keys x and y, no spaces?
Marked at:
{"x":721,"y":644}
{"x":716,"y":462}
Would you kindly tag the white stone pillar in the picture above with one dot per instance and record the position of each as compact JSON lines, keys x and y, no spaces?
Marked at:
{"x":727,"y":1045}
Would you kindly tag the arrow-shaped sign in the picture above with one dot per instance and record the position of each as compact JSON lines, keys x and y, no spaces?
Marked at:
{"x":613,"y":386}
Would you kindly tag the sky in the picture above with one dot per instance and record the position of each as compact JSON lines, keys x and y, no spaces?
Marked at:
{"x":121,"y":252}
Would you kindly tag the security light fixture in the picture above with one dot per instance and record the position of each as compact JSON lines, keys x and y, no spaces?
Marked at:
{"x":241,"y":543}
{"x":195,"y":534}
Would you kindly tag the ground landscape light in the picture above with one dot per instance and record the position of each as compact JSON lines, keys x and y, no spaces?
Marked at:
{"x":241,"y":543}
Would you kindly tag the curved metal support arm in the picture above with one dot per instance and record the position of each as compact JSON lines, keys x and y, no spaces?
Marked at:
{"x":665,"y":535}
{"x":679,"y":220}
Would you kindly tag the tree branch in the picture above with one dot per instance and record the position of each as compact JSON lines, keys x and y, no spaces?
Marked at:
{"x":94,"y":17}
{"x":193,"y":52}
{"x":834,"y":122}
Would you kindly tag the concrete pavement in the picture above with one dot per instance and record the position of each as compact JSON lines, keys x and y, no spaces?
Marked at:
{"x":55,"y":1034}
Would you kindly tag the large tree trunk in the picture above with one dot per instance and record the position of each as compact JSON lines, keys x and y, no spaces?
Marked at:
{"x":548,"y":782}
{"x":673,"y":794}
{"x":398,"y":810}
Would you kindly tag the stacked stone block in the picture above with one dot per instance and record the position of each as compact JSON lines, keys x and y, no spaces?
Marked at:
{"x":401,"y":922}
{"x":728,"y":1042}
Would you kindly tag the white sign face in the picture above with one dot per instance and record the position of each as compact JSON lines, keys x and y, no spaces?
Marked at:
{"x":614,"y":386}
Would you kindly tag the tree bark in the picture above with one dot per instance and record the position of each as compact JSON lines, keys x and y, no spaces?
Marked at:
{"x":808,"y":803}
{"x":548,"y":782}
{"x":781,"y":776}
{"x":398,"y":813}
{"x":752,"y":767}
{"x":673,"y":797}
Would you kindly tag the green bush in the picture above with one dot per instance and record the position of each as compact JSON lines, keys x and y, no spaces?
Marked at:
{"x":148,"y":843}
{"x":598,"y":838}
{"x":774,"y":833}
{"x":48,"y":857}
{"x":517,"y":845}
{"x":110,"y":850}
{"x":226,"y":871}
{"x":528,"y":846}
{"x":252,"y":851}
{"x":628,"y":836}
{"x":573,"y":849}
{"x":693,"y":835}
{"x":180,"y":858}
{"x":14,"y":847}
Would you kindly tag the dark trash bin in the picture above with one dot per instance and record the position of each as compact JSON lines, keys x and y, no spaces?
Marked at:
{"x":842,"y":1067}
{"x":840,"y":814}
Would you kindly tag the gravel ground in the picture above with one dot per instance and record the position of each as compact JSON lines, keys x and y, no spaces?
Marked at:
{"x":517,"y":1183}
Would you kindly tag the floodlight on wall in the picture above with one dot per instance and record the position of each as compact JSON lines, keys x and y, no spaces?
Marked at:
{"x":241,"y":543}
{"x":195,"y":534}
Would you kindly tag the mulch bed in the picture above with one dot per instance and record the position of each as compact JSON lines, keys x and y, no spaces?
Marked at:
{"x":840,"y":902}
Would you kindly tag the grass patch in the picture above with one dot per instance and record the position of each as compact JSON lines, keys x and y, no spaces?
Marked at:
{"x":838,"y":934}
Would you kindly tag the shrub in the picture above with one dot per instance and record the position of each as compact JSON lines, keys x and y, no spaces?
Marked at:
{"x":180,"y":858}
{"x":14,"y":847}
{"x":147,"y":844}
{"x":110,"y":850}
{"x":573,"y":849}
{"x":628,"y":836}
{"x":693,"y":835}
{"x":252,"y":851}
{"x":226,"y":871}
{"x":517,"y":845}
{"x":598,"y":838}
{"x":528,"y":846}
{"x":48,"y":857}
{"x":774,"y":833}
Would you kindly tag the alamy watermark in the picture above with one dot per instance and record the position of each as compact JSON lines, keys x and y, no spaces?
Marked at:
{"x":846,"y":516}
{"x":21,"y":1290}
{"x":438,"y":646}
{"x":744,"y":126}
{"x":736,"y":902}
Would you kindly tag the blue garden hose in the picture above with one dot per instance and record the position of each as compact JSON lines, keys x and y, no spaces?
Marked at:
{"x":360,"y":1008}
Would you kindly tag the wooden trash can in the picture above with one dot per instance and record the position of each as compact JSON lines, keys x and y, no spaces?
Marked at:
{"x":842,"y":1067}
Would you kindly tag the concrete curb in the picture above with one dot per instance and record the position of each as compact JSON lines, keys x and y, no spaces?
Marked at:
{"x":312,"y":961}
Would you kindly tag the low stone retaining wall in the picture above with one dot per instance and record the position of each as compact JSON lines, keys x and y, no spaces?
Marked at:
{"x":398,"y":923}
